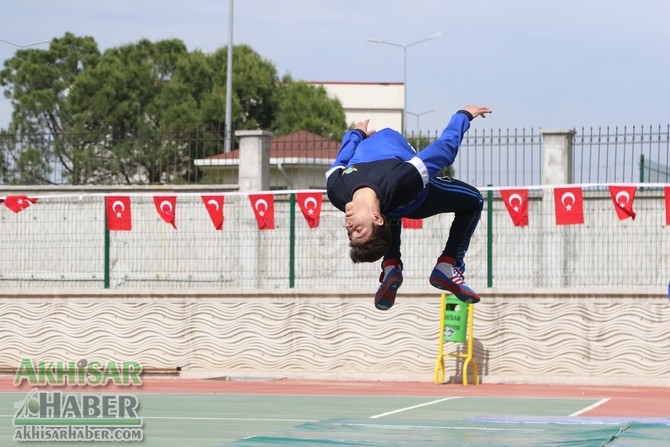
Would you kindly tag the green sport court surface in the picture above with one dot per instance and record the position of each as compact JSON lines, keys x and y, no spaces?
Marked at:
{"x":223,"y":418}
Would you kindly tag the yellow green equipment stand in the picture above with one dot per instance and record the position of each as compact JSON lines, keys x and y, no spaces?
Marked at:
{"x":456,"y":327}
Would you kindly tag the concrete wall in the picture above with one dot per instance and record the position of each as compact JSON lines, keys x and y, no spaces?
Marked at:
{"x":520,"y":336}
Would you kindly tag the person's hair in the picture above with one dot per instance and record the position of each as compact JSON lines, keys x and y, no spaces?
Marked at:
{"x":374,"y":247}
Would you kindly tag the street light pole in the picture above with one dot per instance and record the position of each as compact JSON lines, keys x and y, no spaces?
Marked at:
{"x":228,"y":137}
{"x":404,"y":48}
{"x":26,"y":45}
{"x":418,"y":116}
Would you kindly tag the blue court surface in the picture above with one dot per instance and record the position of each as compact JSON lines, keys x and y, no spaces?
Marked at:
{"x":254,"y":420}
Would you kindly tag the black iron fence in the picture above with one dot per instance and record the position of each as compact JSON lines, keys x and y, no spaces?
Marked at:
{"x":497,"y":157}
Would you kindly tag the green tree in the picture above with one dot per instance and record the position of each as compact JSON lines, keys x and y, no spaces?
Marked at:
{"x":254,"y":84}
{"x":38,"y":82}
{"x":303,"y":106}
{"x":126,"y":111}
{"x":141,"y":112}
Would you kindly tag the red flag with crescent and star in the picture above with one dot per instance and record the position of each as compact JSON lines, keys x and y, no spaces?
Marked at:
{"x":622,"y":198}
{"x":516,"y":202}
{"x":569,"y":206}
{"x":214,"y":205}
{"x":18,"y":203}
{"x":264,"y":210}
{"x":310,"y":205}
{"x":118,"y":213}
{"x":667,"y":205}
{"x":166,"y":207}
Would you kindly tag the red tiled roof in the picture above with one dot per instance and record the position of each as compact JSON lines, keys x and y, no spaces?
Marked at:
{"x":298,"y":144}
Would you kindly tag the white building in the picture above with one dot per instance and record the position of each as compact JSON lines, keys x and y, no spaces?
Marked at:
{"x":381,"y":102}
{"x":299,"y":160}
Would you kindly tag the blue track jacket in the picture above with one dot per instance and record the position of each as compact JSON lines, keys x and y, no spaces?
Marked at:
{"x":386,"y":163}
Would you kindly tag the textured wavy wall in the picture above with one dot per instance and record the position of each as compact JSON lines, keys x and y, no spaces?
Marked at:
{"x":550,"y":337}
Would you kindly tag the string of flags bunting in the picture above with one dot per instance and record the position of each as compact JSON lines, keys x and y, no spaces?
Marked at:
{"x":568,"y":207}
{"x":119,"y":217}
{"x":569,"y":204}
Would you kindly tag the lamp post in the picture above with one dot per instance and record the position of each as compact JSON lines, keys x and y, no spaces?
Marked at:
{"x":418,"y":117}
{"x":228,"y":138}
{"x":404,"y":48}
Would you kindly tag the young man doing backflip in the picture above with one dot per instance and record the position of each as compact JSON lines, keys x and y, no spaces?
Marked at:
{"x":377,"y":178}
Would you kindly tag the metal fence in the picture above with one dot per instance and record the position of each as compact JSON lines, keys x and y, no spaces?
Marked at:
{"x":500,"y":157}
{"x":600,"y":155}
{"x":487,"y":157}
{"x":60,"y":241}
{"x":628,"y":154}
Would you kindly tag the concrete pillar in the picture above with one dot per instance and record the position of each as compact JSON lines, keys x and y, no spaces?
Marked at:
{"x":254,"y":168}
{"x":557,"y":156}
{"x":253,"y":175}
{"x":557,"y":169}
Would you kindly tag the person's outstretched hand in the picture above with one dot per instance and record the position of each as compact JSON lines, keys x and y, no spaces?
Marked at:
{"x":476,"y":111}
{"x":363,"y":125}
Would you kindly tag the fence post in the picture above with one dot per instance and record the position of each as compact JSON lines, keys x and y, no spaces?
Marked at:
{"x":557,"y":169}
{"x":107,"y":253}
{"x":253,"y":175}
{"x":489,"y":239}
{"x":557,"y":159}
{"x":291,"y":241}
{"x":254,"y":169}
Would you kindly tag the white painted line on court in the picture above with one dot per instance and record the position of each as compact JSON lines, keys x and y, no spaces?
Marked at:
{"x":400,"y":410}
{"x":195,"y":418}
{"x":187,"y":418}
{"x":590,"y":407}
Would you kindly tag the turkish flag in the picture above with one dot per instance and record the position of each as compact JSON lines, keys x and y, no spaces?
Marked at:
{"x":412,"y":223}
{"x":118,"y":213}
{"x":667,"y":205}
{"x":310,"y":205}
{"x":264,"y":210}
{"x":516,"y":202}
{"x":569,"y":206}
{"x":214,"y":205}
{"x":623,"y":197}
{"x":18,"y":203}
{"x":166,"y":207}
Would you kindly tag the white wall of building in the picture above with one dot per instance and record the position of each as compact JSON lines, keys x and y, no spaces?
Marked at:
{"x":382,"y":103}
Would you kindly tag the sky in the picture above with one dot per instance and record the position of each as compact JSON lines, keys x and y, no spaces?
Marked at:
{"x":537,"y":63}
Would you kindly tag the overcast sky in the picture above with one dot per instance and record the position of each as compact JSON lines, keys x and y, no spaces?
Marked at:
{"x":537,"y":63}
